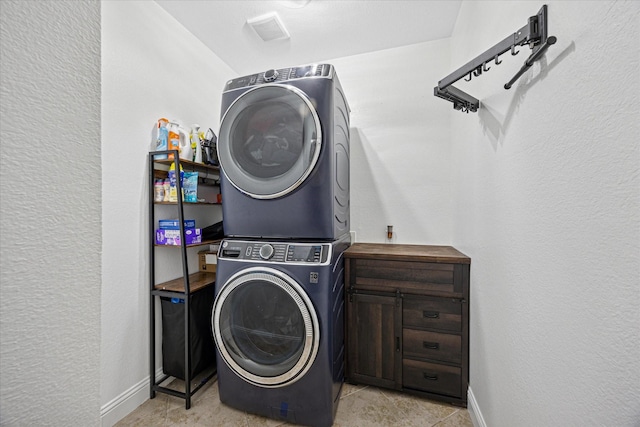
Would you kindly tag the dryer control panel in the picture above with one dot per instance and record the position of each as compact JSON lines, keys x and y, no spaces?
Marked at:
{"x":281,"y":75}
{"x":275,"y":252}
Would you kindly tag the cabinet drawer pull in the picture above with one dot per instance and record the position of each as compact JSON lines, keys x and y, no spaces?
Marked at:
{"x":431,"y":345}
{"x":431,"y":314}
{"x":397,"y":343}
{"x":431,"y":377}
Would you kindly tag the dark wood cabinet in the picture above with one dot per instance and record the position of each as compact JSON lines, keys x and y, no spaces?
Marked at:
{"x":408,"y":319}
{"x":375,"y":339}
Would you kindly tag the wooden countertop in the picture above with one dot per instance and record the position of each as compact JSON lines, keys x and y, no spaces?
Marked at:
{"x":426,"y":253}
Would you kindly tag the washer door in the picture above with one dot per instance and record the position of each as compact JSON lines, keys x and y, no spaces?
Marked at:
{"x":265,"y":327}
{"x":269,"y":141}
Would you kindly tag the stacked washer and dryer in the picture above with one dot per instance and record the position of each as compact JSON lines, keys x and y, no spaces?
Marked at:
{"x":278,"y":316}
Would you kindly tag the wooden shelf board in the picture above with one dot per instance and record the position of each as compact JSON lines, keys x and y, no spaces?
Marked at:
{"x":188,"y":203}
{"x":203,"y":243}
{"x":197,"y":281}
{"x":190,"y":165}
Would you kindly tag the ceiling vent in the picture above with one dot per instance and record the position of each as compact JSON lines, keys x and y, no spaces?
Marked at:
{"x":269,"y":27}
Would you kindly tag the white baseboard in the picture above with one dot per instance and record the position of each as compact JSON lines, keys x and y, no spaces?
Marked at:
{"x":127,"y":402}
{"x":474,"y":410}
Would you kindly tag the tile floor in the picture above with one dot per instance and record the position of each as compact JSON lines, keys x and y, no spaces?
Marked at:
{"x":359,"y":406}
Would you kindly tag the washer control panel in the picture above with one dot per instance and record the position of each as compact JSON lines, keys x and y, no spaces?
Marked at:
{"x":281,"y":252}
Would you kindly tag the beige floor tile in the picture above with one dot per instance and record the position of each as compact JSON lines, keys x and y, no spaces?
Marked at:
{"x":460,"y":418}
{"x":359,"y":406}
{"x":367,"y":406}
{"x":348,"y":389}
{"x":151,"y":412}
{"x":417,"y":411}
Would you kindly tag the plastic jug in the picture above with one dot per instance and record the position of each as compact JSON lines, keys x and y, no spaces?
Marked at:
{"x":186,"y":152}
{"x":161,"y":136}
{"x":174,"y":138}
{"x":196,"y":143}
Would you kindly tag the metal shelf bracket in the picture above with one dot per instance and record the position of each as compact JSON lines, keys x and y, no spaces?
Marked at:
{"x":534,"y":33}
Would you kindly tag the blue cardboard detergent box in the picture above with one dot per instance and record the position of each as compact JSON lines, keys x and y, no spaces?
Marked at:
{"x":174,"y":224}
{"x":172,"y":237}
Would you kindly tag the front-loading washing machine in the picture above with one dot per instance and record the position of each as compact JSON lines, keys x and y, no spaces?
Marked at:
{"x":278,"y":323}
{"x":283,"y":147}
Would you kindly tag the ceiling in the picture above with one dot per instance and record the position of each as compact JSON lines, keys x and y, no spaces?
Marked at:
{"x":319,"y":31}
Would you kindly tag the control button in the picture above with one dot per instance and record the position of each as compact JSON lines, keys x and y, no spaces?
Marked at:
{"x":266,"y":251}
{"x":270,"y":75}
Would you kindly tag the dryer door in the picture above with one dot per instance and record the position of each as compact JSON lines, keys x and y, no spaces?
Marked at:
{"x":269,"y":141}
{"x":265,"y":327}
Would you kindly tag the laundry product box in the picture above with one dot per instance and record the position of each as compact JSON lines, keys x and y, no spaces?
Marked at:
{"x":172,"y":237}
{"x":208,"y":261}
{"x":174,"y":224}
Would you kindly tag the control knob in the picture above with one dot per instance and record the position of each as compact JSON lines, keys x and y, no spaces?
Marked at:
{"x":266,"y":251}
{"x":270,"y":75}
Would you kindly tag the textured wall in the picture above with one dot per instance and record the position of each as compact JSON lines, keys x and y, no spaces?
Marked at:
{"x":547,"y":207}
{"x":50,"y":213}
{"x":152,"y":67}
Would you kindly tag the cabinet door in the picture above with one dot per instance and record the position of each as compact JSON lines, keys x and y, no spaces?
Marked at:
{"x":374,"y":330}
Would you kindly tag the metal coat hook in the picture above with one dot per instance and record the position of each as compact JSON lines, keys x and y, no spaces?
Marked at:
{"x":531,"y":59}
{"x":534,"y":34}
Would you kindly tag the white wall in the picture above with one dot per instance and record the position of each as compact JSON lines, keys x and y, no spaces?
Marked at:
{"x":547,"y":207}
{"x":151,"y":68}
{"x":50,"y":203}
{"x":400,"y":143}
{"x":388,"y":119}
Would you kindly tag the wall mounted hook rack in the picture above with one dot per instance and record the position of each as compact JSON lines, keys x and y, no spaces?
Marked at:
{"x":534,"y":33}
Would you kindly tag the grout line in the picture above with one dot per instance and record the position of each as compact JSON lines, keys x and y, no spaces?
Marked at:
{"x":342,"y":395}
{"x":445,"y":418}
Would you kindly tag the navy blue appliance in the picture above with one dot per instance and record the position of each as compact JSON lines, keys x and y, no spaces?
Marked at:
{"x":283,"y":147}
{"x":278,"y":323}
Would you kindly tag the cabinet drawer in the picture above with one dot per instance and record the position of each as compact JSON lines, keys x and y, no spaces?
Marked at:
{"x":408,"y":277}
{"x":432,"y":345}
{"x":434,"y":313}
{"x":432,"y":377}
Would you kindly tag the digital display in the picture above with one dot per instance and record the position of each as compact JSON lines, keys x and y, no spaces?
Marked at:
{"x":304,"y":253}
{"x":241,"y":82}
{"x":303,"y":71}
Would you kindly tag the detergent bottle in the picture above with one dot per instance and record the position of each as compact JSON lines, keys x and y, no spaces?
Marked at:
{"x":161,"y":138}
{"x":196,"y":143}
{"x":174,"y":137}
{"x":173,"y":188}
{"x":186,"y":152}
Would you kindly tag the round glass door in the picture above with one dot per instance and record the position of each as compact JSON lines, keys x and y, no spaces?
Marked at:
{"x":265,"y":327}
{"x":269,"y":141}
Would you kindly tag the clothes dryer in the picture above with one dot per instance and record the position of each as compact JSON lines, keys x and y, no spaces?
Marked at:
{"x":278,"y":322}
{"x":283,"y":147}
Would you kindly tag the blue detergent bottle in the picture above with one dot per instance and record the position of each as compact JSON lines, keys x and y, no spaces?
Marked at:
{"x":162,"y":140}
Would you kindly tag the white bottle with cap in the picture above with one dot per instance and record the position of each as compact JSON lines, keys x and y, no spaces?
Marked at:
{"x":186,"y":152}
{"x":196,"y":143}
